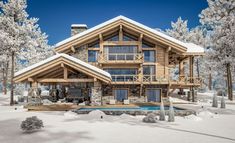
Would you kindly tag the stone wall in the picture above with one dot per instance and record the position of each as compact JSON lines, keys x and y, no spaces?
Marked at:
{"x":81,"y":53}
{"x":96,"y":94}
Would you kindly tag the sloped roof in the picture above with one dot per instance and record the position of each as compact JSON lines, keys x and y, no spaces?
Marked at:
{"x":158,"y":33}
{"x":70,"y":58}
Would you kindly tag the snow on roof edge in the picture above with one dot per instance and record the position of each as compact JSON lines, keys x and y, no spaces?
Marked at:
{"x":193,"y":48}
{"x":67,"y":57}
{"x":115,"y":19}
{"x":79,"y":25}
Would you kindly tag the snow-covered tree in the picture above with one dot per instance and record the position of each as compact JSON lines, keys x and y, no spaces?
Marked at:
{"x":20,"y":32}
{"x":171,"y":114}
{"x":220,"y":15}
{"x":162,"y":112}
{"x":179,"y":30}
{"x":215,"y":100}
{"x":222,"y":101}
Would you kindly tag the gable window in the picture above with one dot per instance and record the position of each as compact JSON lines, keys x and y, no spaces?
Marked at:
{"x":128,"y":37}
{"x":149,"y":56}
{"x":146,"y":44}
{"x":95,"y":44}
{"x":92,"y":56}
{"x":112,"y":37}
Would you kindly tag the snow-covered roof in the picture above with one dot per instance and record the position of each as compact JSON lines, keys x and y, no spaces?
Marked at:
{"x":75,"y":60}
{"x":188,"y":46}
{"x":193,"y":48}
{"x":79,"y":25}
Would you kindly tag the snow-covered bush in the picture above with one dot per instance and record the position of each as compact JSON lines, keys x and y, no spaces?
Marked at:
{"x":222,"y":101}
{"x":215,"y":101}
{"x":150,"y":118}
{"x":31,"y":124}
{"x":171,"y":115}
{"x":162,"y":112}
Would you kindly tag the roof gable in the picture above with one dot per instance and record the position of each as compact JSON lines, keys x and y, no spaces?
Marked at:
{"x":58,"y":59}
{"x":174,"y":43}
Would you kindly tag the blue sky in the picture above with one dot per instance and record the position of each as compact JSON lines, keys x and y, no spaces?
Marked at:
{"x":56,"y":16}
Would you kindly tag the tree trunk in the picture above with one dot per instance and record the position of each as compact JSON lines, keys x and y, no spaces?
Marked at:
{"x":12,"y":76}
{"x":5,"y":77}
{"x":210,"y":80}
{"x":198,"y":73}
{"x":229,"y":80}
{"x":4,"y":80}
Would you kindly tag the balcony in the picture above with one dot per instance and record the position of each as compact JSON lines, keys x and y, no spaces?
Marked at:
{"x":120,"y":58}
{"x":125,"y":79}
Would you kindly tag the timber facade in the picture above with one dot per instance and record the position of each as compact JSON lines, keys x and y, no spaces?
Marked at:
{"x":134,"y":63}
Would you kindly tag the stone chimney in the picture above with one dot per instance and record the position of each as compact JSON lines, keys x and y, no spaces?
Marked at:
{"x":77,"y":28}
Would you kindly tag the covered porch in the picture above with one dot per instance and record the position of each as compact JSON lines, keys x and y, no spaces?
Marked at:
{"x":67,"y":77}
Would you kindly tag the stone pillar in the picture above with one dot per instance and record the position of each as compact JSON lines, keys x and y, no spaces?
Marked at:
{"x":96,"y":94}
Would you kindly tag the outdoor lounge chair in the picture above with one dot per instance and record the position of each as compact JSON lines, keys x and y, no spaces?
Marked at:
{"x":112,"y":101}
{"x":126,"y":102}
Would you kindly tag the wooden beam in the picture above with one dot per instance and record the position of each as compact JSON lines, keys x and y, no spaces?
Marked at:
{"x":168,"y":49}
{"x":73,"y":49}
{"x":120,"y":33}
{"x":62,"y":65}
{"x":48,"y":80}
{"x":65,"y":73}
{"x":30,"y":79}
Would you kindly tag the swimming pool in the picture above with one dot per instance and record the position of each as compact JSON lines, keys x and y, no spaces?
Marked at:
{"x":140,"y":108}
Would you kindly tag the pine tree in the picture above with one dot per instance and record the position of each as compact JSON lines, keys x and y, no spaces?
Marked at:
{"x":162,"y":112}
{"x":215,"y":101}
{"x":171,"y":115}
{"x":220,"y":15}
{"x":20,"y":33}
{"x":222,"y":101}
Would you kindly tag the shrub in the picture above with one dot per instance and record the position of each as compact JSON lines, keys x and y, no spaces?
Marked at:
{"x":31,"y":124}
{"x":150,"y":118}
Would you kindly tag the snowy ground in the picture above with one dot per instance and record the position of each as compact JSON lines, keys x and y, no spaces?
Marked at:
{"x":61,"y":127}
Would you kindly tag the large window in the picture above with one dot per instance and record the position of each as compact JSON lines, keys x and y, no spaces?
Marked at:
{"x":129,"y":37}
{"x":112,"y":37}
{"x":149,"y":56}
{"x":92,"y":56}
{"x":149,"y":70}
{"x":122,"y":52}
{"x":123,"y":74}
{"x":95,"y":44}
{"x":153,"y":95}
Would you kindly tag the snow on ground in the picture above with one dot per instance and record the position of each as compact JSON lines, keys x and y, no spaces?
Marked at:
{"x":64,"y":127}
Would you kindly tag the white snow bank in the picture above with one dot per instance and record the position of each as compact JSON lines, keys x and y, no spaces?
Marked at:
{"x":96,"y":114}
{"x":126,"y":116}
{"x":193,"y":48}
{"x":70,"y":115}
{"x":193,"y":118}
{"x":207,"y":114}
{"x":46,"y":102}
{"x":177,"y":100}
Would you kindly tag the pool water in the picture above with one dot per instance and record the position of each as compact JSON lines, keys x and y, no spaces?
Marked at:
{"x":142,"y":108}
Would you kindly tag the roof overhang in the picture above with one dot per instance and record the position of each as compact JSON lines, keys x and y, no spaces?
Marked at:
{"x":59,"y":59}
{"x":115,"y":22}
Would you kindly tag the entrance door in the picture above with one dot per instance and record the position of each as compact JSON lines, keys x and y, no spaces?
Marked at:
{"x":153,"y":95}
{"x":121,"y":94}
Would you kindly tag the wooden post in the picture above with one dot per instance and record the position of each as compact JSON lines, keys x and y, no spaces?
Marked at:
{"x":65,"y":73}
{"x":191,"y":65}
{"x":181,"y":76}
{"x":120,"y":33}
{"x":12,"y":76}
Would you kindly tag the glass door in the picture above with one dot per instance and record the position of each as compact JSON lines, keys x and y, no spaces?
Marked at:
{"x":121,"y":94}
{"x":153,"y":95}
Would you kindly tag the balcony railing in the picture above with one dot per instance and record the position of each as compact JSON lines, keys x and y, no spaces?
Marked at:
{"x":153,"y":78}
{"x":187,"y":80}
{"x":121,"y":58}
{"x":125,"y":78}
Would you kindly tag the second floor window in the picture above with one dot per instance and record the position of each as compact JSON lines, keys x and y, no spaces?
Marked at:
{"x":149,"y":70}
{"x":92,"y":56}
{"x":149,"y":56}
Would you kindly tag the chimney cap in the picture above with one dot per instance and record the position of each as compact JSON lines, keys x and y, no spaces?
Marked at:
{"x":78,"y":25}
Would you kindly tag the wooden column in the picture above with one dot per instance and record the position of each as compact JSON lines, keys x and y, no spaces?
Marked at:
{"x":120,"y":33}
{"x":65,"y":73}
{"x":191,"y":65}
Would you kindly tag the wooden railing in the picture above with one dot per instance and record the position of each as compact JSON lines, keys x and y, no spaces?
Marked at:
{"x":121,"y":57}
{"x":125,"y":78}
{"x":188,"y":80}
{"x":153,"y":78}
